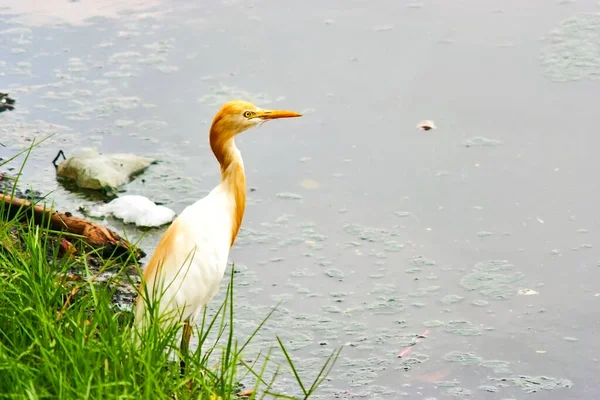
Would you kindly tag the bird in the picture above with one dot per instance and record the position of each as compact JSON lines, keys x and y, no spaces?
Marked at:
{"x":189,"y":262}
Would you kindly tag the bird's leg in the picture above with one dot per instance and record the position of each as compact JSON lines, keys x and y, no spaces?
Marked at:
{"x":185,"y":344}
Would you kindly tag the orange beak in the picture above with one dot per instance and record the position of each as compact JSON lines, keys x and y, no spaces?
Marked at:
{"x":274,"y":114}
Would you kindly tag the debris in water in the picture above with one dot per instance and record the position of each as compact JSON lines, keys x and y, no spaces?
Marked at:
{"x":480,"y":141}
{"x":289,"y":196}
{"x":409,"y":348}
{"x":527,"y":292}
{"x":426,"y":125}
{"x":6,"y":103}
{"x":138,"y":210}
{"x":533,"y":384}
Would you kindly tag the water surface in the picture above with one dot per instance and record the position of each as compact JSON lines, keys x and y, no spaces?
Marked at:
{"x":370,"y":231}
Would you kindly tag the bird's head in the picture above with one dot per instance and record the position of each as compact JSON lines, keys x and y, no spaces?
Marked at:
{"x":236,"y":116}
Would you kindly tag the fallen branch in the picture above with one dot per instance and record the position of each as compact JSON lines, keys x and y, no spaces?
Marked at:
{"x":100,"y":238}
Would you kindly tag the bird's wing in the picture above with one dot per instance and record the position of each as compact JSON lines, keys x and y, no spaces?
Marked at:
{"x":174,"y":249}
{"x":190,"y":259}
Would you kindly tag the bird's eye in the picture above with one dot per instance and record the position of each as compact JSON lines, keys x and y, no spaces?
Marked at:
{"x":248,"y":114}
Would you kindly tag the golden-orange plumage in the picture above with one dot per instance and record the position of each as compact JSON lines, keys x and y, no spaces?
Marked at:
{"x":190,"y":259}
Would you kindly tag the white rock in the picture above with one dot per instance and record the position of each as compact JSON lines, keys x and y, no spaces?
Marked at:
{"x":92,"y":170}
{"x":138,"y":210}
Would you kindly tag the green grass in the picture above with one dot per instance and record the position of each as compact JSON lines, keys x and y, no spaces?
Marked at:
{"x":63,"y":339}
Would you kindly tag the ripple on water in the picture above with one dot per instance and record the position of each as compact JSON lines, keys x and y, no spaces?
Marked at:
{"x":533,"y":384}
{"x":459,"y":392}
{"x":452,"y":299}
{"x":572,"y":50}
{"x":225,"y":93}
{"x":467,"y":359}
{"x":493,"y":279}
{"x":407,"y":363}
{"x":463,"y":328}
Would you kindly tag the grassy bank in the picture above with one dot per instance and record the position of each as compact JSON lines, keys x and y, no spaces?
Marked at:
{"x":63,"y":337}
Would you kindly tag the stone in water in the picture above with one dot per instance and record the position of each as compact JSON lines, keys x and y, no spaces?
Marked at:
{"x":92,"y":170}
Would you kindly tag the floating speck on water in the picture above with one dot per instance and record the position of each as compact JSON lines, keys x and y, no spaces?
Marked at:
{"x":555,"y":252}
{"x":413,"y":270}
{"x":452,"y":299}
{"x":124,"y":57}
{"x":331,"y":309}
{"x":458,"y":392}
{"x":305,"y":159}
{"x":393,"y":246}
{"x":487,"y":388}
{"x":329,"y":22}
{"x":421,"y":261}
{"x":433,"y":323}
{"x":376,"y":276}
{"x":167,"y":69}
{"x":418,"y":305}
{"x":527,"y":292}
{"x":447,"y":383}
{"x":402,"y":214}
{"x":289,"y":196}
{"x":406,"y":363}
{"x":463,"y":328}
{"x":571,"y":339}
{"x":122,"y":123}
{"x":480,"y":141}
{"x":485,"y":233}
{"x":152,"y":125}
{"x":367,"y":233}
{"x":426,"y":125}
{"x":17,"y":51}
{"x":424,"y":291}
{"x":118,"y":74}
{"x":533,"y":384}
{"x":334,"y":273}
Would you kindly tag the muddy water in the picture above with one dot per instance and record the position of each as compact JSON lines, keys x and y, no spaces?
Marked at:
{"x":370,"y":231}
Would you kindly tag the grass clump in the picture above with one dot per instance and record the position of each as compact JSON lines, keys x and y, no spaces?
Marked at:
{"x":63,"y":337}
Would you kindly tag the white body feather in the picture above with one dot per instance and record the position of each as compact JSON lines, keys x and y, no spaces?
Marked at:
{"x":194,"y":258}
